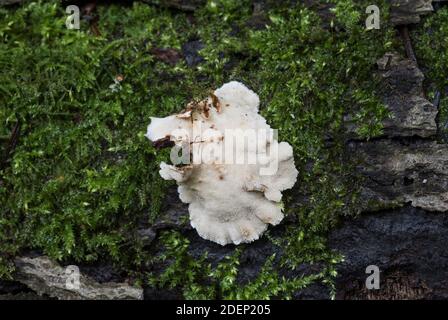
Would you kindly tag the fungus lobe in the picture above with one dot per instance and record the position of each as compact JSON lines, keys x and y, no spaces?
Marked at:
{"x":235,"y":169}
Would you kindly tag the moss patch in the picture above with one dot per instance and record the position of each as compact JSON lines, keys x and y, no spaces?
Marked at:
{"x":83,"y":176}
{"x":429,"y":39}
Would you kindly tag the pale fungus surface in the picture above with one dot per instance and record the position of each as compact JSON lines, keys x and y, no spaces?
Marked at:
{"x":235,"y":169}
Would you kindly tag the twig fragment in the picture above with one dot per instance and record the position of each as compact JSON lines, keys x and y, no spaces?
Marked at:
{"x":404,"y":32}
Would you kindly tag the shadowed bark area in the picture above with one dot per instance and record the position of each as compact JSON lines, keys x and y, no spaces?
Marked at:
{"x":409,"y":247}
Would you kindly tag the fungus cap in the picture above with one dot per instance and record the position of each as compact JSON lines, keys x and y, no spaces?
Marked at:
{"x":229,"y":201}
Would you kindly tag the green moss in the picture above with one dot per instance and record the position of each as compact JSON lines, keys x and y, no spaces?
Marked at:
{"x":429,"y":39}
{"x":308,"y":78}
{"x":83,"y":172}
{"x":312,"y":77}
{"x":83,"y":175}
{"x":199,"y":280}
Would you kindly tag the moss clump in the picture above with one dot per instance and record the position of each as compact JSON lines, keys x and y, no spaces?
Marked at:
{"x":312,"y":77}
{"x":83,"y":176}
{"x":429,"y":39}
{"x":199,"y":280}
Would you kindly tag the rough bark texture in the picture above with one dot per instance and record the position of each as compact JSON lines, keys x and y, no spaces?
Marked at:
{"x":48,"y":278}
{"x":408,"y":11}
{"x":406,"y":169}
{"x":401,"y":88}
{"x":399,"y":172}
{"x":408,"y":246}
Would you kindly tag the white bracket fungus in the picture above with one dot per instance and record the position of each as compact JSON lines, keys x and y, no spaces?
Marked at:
{"x":228,"y":164}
